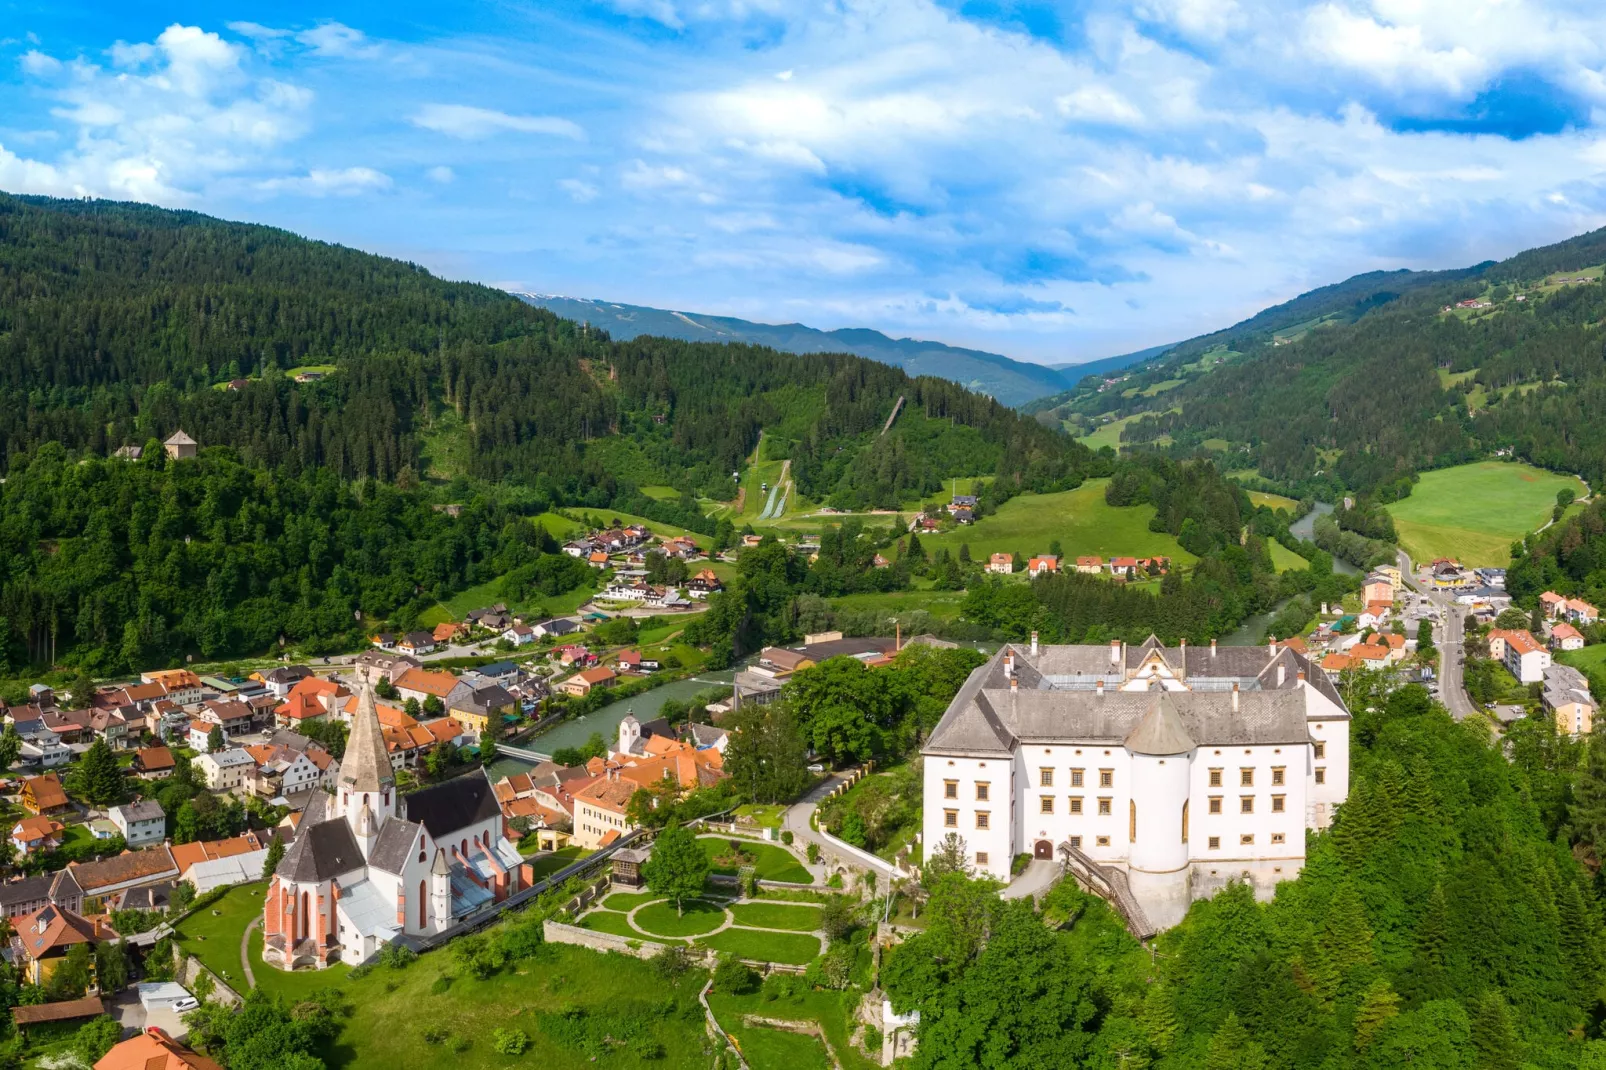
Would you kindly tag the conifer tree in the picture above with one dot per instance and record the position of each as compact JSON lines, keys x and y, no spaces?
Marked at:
{"x":99,"y":778}
{"x":1493,"y":1038}
{"x":1231,"y":1048}
{"x":1343,"y":942}
{"x":1378,"y":1005}
{"x":1160,"y":1016}
{"x":1589,"y":791}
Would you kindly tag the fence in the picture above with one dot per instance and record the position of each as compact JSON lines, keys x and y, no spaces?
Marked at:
{"x":1109,"y":884}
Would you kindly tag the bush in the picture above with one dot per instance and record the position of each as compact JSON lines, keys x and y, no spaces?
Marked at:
{"x":1018,"y":864}
{"x":461,"y":1044}
{"x":510,"y":1041}
{"x":397,"y":956}
{"x":813,"y":853}
{"x":837,"y":917}
{"x":673,"y":961}
{"x":435,"y":1034}
{"x":439,"y":986}
{"x":359,"y":972}
{"x":734,"y":977}
{"x":835,"y":881}
{"x":872,"y":1041}
{"x":786,"y":837}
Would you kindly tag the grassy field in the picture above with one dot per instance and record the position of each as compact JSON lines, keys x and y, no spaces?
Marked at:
{"x":772,"y":863}
{"x":776,"y":1049}
{"x":1284,"y":559}
{"x":693,"y":919}
{"x":1079,"y":519}
{"x":1108,"y":434}
{"x":1591,"y":661}
{"x":944,"y":605}
{"x":821,"y":1006}
{"x":777,"y":916}
{"x":485,"y":594}
{"x":1275,"y":501}
{"x":212,"y":934}
{"x":796,"y":949}
{"x":1473,"y":512}
{"x":549,"y":864}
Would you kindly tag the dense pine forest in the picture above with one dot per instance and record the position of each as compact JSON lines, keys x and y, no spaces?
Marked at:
{"x":338,"y":395}
{"x":1355,"y":387}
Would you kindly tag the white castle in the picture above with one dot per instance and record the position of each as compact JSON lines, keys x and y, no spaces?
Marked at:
{"x":1176,"y":770}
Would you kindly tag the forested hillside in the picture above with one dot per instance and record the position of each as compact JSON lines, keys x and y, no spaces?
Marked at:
{"x":310,"y":501}
{"x":1357,"y":386}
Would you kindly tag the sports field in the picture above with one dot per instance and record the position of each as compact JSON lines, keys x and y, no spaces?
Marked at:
{"x":1079,"y":519}
{"x":1473,"y":512}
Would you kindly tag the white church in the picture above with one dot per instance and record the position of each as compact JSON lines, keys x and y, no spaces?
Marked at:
{"x":369,"y":865}
{"x":1179,"y":769}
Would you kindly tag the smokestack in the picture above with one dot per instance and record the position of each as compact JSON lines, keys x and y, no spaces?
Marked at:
{"x":1235,"y":696}
{"x":1034,"y":644}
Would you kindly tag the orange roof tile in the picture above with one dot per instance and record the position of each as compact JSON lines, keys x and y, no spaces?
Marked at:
{"x":439,"y":684}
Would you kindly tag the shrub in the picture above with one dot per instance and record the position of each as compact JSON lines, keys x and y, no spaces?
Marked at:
{"x":1018,"y":864}
{"x":734,"y":977}
{"x":510,"y":1041}
{"x":647,"y":1048}
{"x":672,"y":961}
{"x":786,"y":837}
{"x":813,"y":853}
{"x":435,"y":1034}
{"x":461,"y":1044}
{"x":397,"y":956}
{"x":359,"y":972}
{"x":872,"y":1041}
{"x":835,"y":881}
{"x":836,"y":917}
{"x":439,"y":986}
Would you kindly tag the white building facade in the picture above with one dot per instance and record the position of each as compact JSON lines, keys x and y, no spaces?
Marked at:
{"x":1182,"y":768}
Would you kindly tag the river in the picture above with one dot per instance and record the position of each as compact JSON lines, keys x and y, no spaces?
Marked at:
{"x":1249,"y":632}
{"x":606,"y":719}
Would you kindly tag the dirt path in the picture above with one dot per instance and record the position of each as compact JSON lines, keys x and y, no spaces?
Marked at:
{"x":245,"y":953}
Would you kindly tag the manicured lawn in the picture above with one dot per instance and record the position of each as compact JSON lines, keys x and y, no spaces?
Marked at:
{"x":608,"y":921}
{"x":792,"y":948}
{"x":212,"y":934}
{"x":1080,"y":519}
{"x":1283,"y":559}
{"x":613,"y":993}
{"x":546,"y":865}
{"x":771,"y":863}
{"x":292,"y":987}
{"x":697,"y":917}
{"x":776,"y":916}
{"x":627,"y":901}
{"x":764,"y":815}
{"x":1473,"y":512}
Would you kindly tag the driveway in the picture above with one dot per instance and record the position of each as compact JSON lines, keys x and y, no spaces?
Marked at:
{"x":1038,"y":877}
{"x":796,"y":820}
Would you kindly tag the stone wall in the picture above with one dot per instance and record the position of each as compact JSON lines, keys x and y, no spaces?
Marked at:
{"x":556,"y":932}
{"x":189,"y":968}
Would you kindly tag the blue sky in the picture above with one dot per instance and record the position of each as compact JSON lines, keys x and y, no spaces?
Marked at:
{"x":1054,"y":181}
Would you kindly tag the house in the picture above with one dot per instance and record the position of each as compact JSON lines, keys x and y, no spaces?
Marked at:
{"x":153,"y":1050}
{"x":578,"y":548}
{"x":1564,"y":636}
{"x":633,"y":661}
{"x":1524,"y":657}
{"x":373,"y":666}
{"x":570,"y":656}
{"x":36,"y":834}
{"x":597,"y":559}
{"x":1377,"y":588}
{"x":225,"y":770}
{"x":140,"y":823}
{"x":197,"y":862}
{"x":702,"y":736}
{"x":25,"y":895}
{"x":963,"y":515}
{"x":369,"y":865}
{"x":416,"y":644}
{"x":520,"y":635}
{"x":703,"y":584}
{"x":581,"y":683}
{"x":1125,"y":568}
{"x":422,"y":685}
{"x":199,"y":736}
{"x":450,"y":632}
{"x":279,"y":681}
{"x":1090,"y":566}
{"x":1552,"y":604}
{"x":1580,"y":612}
{"x":44,"y":795}
{"x":281,"y":769}
{"x":129,"y":453}
{"x":557,"y":626}
{"x":1043,"y":565}
{"x":383,"y":640}
{"x":501,"y":672}
{"x":480,"y":711}
{"x":180,"y":446}
{"x":1369,"y":655}
{"x":103,"y":881}
{"x":182,"y":686}
{"x":1001,"y":564}
{"x":44,"y":937}
{"x":1397,"y":579}
{"x":601,"y":811}
{"x":1566,"y":695}
{"x":230,"y":714}
{"x":962,"y":501}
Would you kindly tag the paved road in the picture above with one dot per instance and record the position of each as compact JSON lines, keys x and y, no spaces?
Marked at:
{"x":797,"y":816}
{"x":1452,"y":649}
{"x":1036,"y":878}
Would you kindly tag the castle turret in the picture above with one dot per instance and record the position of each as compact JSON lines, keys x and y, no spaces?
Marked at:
{"x":366,"y":777}
{"x":440,"y":890}
{"x":1160,"y":746}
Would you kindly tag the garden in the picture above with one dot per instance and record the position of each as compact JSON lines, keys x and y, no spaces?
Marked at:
{"x":764,"y":931}
{"x":770,"y":862}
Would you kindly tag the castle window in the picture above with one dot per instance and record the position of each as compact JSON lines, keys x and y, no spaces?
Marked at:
{"x":1246,"y":840}
{"x":1076,"y":842}
{"x":1215,"y":843}
{"x":981,"y":791}
{"x":982,"y":819}
{"x":981,"y":858}
{"x":950,"y":789}
{"x":1104,"y":807}
{"x":1321,"y":776}
{"x":1103,"y":841}
{"x":1076,"y":804}
{"x":1215,"y":778}
{"x":1277,"y":776}
{"x":950,"y":819}
{"x":1076,"y":778}
{"x":1246,"y":778}
{"x":1246,"y":804}
{"x":1277,"y":803}
{"x":1278,"y":837}
{"x":1215,"y":804}
{"x":1045,"y":805}
{"x":1131,"y":821}
{"x":1321,"y":749}
{"x":1045,"y":778}
{"x":1106,"y":778}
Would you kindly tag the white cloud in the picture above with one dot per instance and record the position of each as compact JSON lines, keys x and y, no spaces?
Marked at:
{"x":38,"y":64}
{"x":1097,"y":103}
{"x":1397,"y":56}
{"x":473,"y":124}
{"x":258,"y":32}
{"x":343,"y":182}
{"x":579,"y":192}
{"x":441,"y":174}
{"x":338,"y":39}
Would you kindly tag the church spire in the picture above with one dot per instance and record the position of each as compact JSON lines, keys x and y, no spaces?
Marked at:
{"x":366,"y":766}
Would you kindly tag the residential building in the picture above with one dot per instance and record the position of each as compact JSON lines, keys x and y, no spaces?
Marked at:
{"x":1377,"y":588}
{"x":1566,"y":695}
{"x":181,"y":685}
{"x":153,"y":1050}
{"x":36,"y":834}
{"x":230,"y":714}
{"x":501,"y":672}
{"x":1564,"y":636}
{"x":153,"y":763}
{"x":225,"y":770}
{"x":520,"y":635}
{"x":1001,"y":564}
{"x":104,"y":880}
{"x":369,"y":865}
{"x":279,"y":681}
{"x":44,"y":937}
{"x":1183,"y":768}
{"x":140,"y":822}
{"x":416,"y":644}
{"x":1124,"y":568}
{"x":448,"y":631}
{"x":422,"y":685}
{"x":705,"y":583}
{"x":1043,"y":565}
{"x":1090,"y":566}
{"x":251,"y":847}
{"x":634,"y":661}
{"x":481,"y":710}
{"x":372,"y":666}
{"x":1524,"y":657}
{"x":310,"y":699}
{"x":557,"y":626}
{"x":601,"y":811}
{"x":25,"y":895}
{"x":582,"y":682}
{"x":44,"y":795}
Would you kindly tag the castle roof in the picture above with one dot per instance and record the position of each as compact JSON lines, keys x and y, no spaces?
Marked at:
{"x":1160,"y":730}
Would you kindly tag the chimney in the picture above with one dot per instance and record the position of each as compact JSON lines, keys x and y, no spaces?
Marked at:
{"x":1182,"y":668}
{"x":1212,"y":648}
{"x":1009,"y":664}
{"x":1271,"y":646}
{"x":1099,"y":687}
{"x":1115,"y":651}
{"x":1014,"y":687}
{"x":1300,"y":676}
{"x":1235,"y":696}
{"x":1282,"y":673}
{"x":1034,"y":644}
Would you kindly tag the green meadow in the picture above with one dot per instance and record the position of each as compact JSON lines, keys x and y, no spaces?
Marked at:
{"x":1473,"y":512}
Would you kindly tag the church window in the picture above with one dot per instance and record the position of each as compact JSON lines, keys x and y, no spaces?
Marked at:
{"x":423,"y":921}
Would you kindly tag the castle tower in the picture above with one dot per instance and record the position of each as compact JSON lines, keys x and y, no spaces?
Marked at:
{"x":440,"y":890}
{"x":1158,"y":818}
{"x":366,"y":779}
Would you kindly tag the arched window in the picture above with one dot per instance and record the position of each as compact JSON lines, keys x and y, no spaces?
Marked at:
{"x":1184,"y":820}
{"x":423,"y":900}
{"x":1132,"y":821}
{"x":465,"y":849}
{"x":306,"y":909}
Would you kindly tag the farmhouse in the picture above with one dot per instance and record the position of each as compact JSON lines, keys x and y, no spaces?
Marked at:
{"x":1042,"y":565}
{"x":1180,"y":768}
{"x":1002,"y":564}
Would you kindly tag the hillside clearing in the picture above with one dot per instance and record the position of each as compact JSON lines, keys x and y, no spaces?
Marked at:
{"x":1473,"y":512}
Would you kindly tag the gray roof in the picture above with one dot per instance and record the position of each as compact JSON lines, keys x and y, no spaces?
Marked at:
{"x":394,"y":844}
{"x":322,"y":849}
{"x":146,"y":810}
{"x":1564,"y":684}
{"x":455,"y":804}
{"x":1056,"y":700}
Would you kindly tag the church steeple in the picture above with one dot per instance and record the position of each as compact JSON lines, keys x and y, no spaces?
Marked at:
{"x":366,"y":776}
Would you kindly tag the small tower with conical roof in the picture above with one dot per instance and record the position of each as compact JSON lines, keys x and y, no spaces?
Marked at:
{"x":366,"y":782}
{"x":440,"y":890}
{"x":1157,"y":818}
